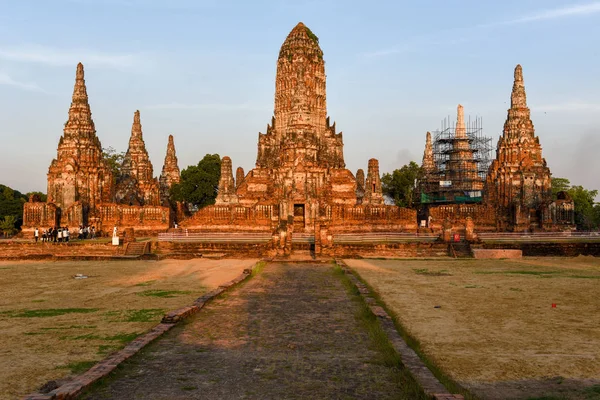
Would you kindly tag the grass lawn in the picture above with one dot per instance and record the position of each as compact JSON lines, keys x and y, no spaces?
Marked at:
{"x":54,"y":325}
{"x":491,"y":325}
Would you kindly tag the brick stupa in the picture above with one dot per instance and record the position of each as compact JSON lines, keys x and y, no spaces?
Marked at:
{"x":137,"y":185}
{"x":170,"y":172}
{"x":300,"y":157}
{"x":518,"y":182}
{"x":79,"y":173}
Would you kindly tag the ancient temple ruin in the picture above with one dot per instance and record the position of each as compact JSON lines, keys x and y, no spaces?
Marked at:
{"x":79,"y":175}
{"x":300,"y":178}
{"x":512,"y":192}
{"x":519,"y":181}
{"x":82,"y":189}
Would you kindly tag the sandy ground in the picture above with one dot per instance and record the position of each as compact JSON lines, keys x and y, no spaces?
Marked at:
{"x":118,"y":300}
{"x":496,"y":330}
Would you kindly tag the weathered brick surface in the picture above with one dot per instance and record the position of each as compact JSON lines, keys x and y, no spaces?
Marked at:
{"x":497,"y":253}
{"x":537,"y":249}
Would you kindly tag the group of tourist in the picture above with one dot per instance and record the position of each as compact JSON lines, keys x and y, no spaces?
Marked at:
{"x":53,"y":234}
{"x":86,"y":232}
{"x":62,"y":234}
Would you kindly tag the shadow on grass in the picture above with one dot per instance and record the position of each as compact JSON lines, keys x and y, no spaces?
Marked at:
{"x":389,"y":357}
{"x":413,"y":343}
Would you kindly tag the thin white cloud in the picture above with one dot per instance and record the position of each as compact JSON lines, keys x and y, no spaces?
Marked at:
{"x":146,"y":4}
{"x":415,"y":44}
{"x":58,"y":57}
{"x":556,"y":13}
{"x":5,"y":79}
{"x":206,"y":106}
{"x":569,"y":106}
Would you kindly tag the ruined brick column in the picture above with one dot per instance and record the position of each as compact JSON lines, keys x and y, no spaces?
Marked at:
{"x":373,"y":193}
{"x":360,"y":186}
{"x":428,"y":163}
{"x":226,"y":193}
{"x":239,"y":176}
{"x":170,"y":172}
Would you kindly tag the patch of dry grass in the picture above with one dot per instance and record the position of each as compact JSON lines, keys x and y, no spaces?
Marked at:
{"x":53,"y":325}
{"x":493,"y":320}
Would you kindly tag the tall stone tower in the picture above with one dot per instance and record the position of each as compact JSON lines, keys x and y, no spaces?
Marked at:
{"x":428,"y":163}
{"x":226,"y":193}
{"x":170,"y":172}
{"x":79,"y":173}
{"x":136,"y":185}
{"x":518,"y":181}
{"x":300,"y":130}
{"x":300,"y":168}
{"x":373,"y":190}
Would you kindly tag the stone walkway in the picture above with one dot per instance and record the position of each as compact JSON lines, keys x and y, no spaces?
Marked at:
{"x":288,"y":333}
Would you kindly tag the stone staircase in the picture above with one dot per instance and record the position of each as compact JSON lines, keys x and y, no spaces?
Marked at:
{"x":132,"y":249}
{"x":460,"y":250}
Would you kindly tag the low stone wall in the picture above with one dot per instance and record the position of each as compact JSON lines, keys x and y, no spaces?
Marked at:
{"x":10,"y":250}
{"x":196,"y":249}
{"x":540,"y":249}
{"x":413,"y":249}
{"x":497,"y":253}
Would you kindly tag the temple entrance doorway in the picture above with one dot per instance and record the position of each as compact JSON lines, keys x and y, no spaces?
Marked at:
{"x":299,"y":217}
{"x":423,"y":217}
{"x":85,"y":214}
{"x":57,"y":217}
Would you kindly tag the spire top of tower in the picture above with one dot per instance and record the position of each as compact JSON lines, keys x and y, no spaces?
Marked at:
{"x":80,"y":116}
{"x":460,"y":122}
{"x":301,"y":40}
{"x":80,"y":73}
{"x":518,"y":98}
{"x":136,"y":128}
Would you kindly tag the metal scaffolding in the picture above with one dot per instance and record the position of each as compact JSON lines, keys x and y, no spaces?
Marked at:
{"x":461,"y":164}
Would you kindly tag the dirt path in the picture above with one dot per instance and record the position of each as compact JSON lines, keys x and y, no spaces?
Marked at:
{"x":290,"y":332}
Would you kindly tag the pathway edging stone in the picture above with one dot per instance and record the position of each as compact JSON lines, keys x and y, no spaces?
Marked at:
{"x":430,"y":384}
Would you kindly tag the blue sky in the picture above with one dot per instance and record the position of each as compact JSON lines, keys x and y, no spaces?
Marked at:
{"x":204,"y":71}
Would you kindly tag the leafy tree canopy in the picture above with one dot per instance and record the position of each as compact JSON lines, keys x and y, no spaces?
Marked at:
{"x":7,"y":225}
{"x":400,"y":184}
{"x":41,"y":195}
{"x":587,"y":213}
{"x":114,"y":160}
{"x":11,"y":204}
{"x":199,"y":183}
{"x":560,"y":185}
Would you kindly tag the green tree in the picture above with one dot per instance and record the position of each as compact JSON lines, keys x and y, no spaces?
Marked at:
{"x":114,"y":160}
{"x":400,"y":184}
{"x":11,"y":203}
{"x":7,"y":225}
{"x":41,"y":195}
{"x":586,"y":214}
{"x":560,"y":185}
{"x":199,"y":183}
